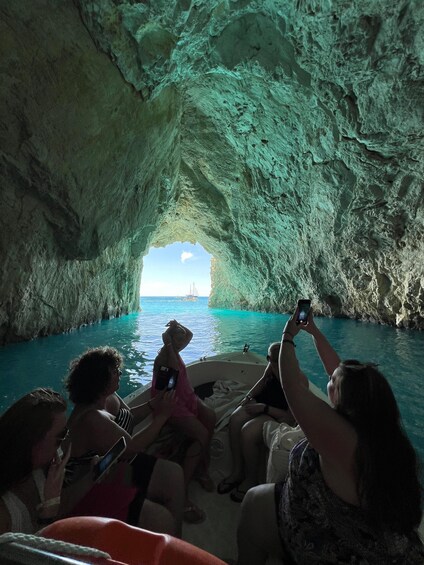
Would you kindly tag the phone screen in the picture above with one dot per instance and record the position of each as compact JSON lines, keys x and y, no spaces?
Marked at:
{"x":303,"y":310}
{"x":171,"y":383}
{"x":109,"y":458}
{"x":166,"y":379}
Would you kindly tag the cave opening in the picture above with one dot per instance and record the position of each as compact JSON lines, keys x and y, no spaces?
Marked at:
{"x":177,"y":269}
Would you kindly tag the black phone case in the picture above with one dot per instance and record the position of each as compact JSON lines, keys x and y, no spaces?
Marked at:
{"x":304,"y":307}
{"x":108,"y":459}
{"x":163,"y":377}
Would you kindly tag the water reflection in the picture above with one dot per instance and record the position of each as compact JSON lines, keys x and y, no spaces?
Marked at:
{"x":44,"y":362}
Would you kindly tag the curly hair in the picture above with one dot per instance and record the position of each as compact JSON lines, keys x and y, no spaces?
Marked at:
{"x":386,"y":463}
{"x":90,"y":374}
{"x":22,"y":427}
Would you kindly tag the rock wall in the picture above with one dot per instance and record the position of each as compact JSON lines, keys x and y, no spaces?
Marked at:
{"x":285,"y":137}
{"x":86,"y":165}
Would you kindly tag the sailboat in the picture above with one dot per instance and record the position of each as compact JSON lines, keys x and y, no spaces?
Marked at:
{"x":192,"y":294}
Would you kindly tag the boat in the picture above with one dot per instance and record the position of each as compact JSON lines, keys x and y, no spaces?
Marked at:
{"x":192,"y":295}
{"x":217,"y":535}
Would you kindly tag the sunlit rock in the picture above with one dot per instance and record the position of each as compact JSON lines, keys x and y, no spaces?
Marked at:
{"x":285,"y":137}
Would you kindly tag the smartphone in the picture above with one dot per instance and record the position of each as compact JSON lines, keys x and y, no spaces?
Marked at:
{"x":109,"y":459}
{"x":303,"y":311}
{"x":166,"y":379}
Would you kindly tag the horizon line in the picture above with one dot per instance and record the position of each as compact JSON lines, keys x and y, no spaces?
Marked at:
{"x":170,"y":296}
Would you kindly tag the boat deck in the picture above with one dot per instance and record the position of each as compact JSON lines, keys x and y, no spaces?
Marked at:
{"x":218,"y":533}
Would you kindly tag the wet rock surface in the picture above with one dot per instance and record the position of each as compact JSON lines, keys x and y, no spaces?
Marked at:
{"x":285,"y":137}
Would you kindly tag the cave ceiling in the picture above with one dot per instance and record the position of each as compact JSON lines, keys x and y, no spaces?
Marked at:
{"x":286,"y":137}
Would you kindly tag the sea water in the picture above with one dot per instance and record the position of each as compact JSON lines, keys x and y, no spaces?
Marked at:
{"x":45,"y":361}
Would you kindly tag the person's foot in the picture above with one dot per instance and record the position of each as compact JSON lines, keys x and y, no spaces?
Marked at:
{"x":192,"y":514}
{"x":227,"y":485}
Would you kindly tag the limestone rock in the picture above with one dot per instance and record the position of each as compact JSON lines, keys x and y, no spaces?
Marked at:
{"x":285,"y":137}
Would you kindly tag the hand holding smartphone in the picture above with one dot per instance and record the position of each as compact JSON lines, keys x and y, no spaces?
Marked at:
{"x":303,"y":307}
{"x":109,"y":459}
{"x":166,"y":379}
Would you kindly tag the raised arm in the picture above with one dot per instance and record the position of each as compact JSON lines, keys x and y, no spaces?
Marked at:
{"x":168,"y":355}
{"x":59,"y":501}
{"x":327,"y":431}
{"x":328,"y":356}
{"x":102,"y":432}
{"x":184,"y":334}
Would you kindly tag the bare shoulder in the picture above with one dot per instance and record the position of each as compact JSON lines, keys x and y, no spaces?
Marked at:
{"x":90,"y":421}
{"x":113,"y":404}
{"x":5,"y":522}
{"x":96,"y":431}
{"x":96,"y":416}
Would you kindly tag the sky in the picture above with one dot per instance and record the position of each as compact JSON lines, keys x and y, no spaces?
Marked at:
{"x":170,"y":270}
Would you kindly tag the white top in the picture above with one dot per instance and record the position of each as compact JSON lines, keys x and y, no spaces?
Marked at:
{"x":20,"y":518}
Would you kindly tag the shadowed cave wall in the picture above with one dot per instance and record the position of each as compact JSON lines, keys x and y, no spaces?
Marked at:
{"x":285,"y":137}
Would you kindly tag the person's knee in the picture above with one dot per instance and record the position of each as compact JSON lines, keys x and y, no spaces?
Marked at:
{"x":202,"y":437}
{"x":157,"y":518}
{"x":167,"y":479}
{"x":250,"y":500}
{"x":251,"y":432}
{"x":170,"y":471}
{"x":197,"y":446}
{"x":238,"y":417}
{"x":258,"y":501}
{"x":247,"y":525}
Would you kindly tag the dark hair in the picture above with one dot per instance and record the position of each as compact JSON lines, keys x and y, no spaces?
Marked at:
{"x":22,"y":426}
{"x":89,"y":374}
{"x":274,"y":345}
{"x":387,"y":466}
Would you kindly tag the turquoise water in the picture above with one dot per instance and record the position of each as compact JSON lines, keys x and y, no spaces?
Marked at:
{"x":44,"y":362}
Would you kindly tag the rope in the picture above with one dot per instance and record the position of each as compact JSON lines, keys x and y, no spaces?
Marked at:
{"x":52,"y":545}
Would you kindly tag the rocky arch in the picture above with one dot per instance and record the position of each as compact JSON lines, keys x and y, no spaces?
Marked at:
{"x":285,"y":137}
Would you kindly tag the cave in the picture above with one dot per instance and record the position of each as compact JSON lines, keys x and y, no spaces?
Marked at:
{"x":285,"y":137}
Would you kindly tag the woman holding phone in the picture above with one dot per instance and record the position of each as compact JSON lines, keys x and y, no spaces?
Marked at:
{"x":352,"y":493}
{"x":189,"y":414}
{"x":100,"y":417}
{"x":32,"y":468}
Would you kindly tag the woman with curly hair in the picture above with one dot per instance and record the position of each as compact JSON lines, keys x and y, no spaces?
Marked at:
{"x":100,"y":417}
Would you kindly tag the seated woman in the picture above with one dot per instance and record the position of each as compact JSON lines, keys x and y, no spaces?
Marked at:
{"x":352,"y":493}
{"x":32,"y":469}
{"x":265,"y":401}
{"x":189,"y":414}
{"x":100,"y":417}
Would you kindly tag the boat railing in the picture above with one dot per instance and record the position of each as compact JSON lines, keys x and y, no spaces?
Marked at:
{"x":21,"y":549}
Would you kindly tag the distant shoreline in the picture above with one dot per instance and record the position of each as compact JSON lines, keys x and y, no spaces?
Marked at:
{"x":175,"y":296}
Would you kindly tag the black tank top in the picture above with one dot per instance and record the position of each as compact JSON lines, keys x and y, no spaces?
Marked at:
{"x":272,"y":394}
